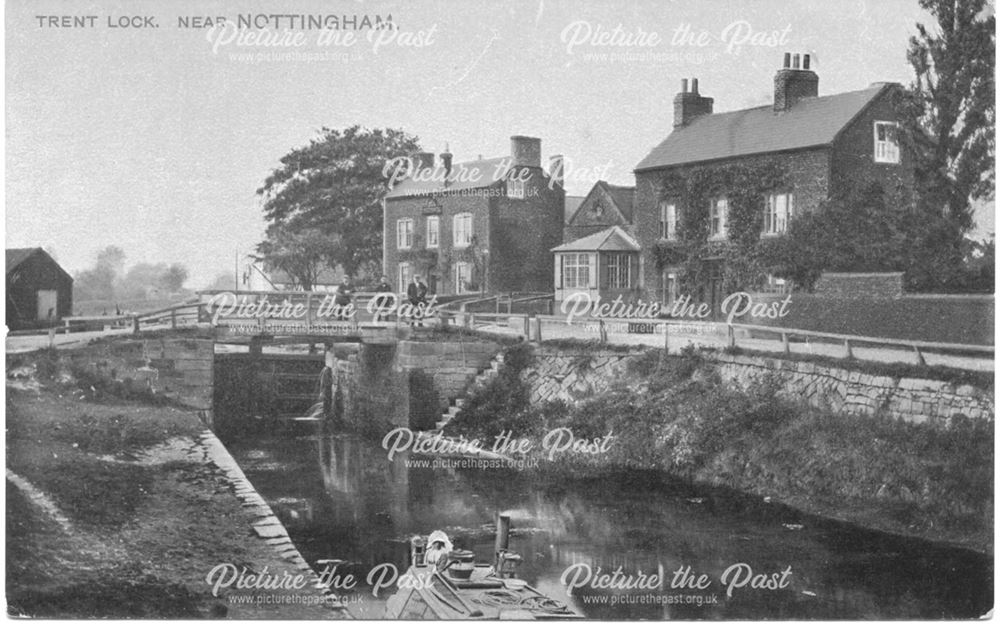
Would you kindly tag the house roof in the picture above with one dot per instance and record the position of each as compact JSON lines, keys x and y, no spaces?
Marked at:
{"x":466,"y":175}
{"x":810,"y":122}
{"x":621,"y":196}
{"x":16,"y":256}
{"x":572,"y":204}
{"x":614,"y":238}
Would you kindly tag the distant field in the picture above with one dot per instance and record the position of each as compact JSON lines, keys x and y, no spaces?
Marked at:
{"x":942,"y":319}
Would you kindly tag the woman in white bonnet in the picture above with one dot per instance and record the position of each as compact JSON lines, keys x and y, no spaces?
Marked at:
{"x":439,"y":548}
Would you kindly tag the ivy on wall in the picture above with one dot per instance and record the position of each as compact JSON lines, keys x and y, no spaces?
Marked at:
{"x":744,"y":255}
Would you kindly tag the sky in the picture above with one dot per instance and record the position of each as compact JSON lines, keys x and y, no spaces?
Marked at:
{"x":156,"y":138}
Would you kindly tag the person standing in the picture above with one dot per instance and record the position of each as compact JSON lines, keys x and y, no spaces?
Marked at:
{"x":343,"y":298}
{"x":382,"y":299}
{"x":416,"y":292}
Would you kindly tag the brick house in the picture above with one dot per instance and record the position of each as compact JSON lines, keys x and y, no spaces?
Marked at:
{"x":478,"y":226}
{"x":781,"y":159}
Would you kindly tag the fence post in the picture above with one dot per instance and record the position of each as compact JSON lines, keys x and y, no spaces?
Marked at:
{"x":135,"y":324}
{"x":173,"y":318}
{"x":602,"y":332}
{"x":848,"y":353}
{"x":309,"y":312}
{"x":666,"y":338}
{"x":784,"y":343}
{"x":527,"y":326}
{"x":731,"y":336}
{"x":472,"y":320}
{"x":920,"y":356}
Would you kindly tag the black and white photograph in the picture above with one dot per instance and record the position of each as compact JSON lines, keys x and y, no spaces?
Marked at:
{"x":572,"y":310}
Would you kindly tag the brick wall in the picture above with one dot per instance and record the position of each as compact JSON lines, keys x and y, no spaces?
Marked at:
{"x":452,"y":365}
{"x":524,"y":233}
{"x":853,"y":162}
{"x":808,"y":174}
{"x":859,"y":285}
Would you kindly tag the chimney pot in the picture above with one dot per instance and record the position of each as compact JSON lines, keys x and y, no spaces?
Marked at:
{"x":684,"y":85}
{"x":690,"y":104}
{"x":793,"y":83}
{"x":694,"y":85}
{"x":795,"y":61}
{"x":446,"y":157}
{"x":805,"y":62}
{"x":788,"y":60}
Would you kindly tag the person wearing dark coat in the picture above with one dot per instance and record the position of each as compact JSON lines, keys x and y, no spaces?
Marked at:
{"x":343,"y":298}
{"x":383,"y":302}
{"x":416,"y":292}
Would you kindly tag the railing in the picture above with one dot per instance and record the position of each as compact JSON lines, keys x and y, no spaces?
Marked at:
{"x":177,"y":316}
{"x":672,"y":333}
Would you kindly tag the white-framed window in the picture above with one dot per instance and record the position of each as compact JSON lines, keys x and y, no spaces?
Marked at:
{"x":777,"y":213}
{"x":717,"y":213}
{"x":516,"y":188}
{"x":405,"y":275}
{"x":668,"y":219}
{"x":463,"y":275}
{"x":618,"y":271}
{"x":669,"y":287}
{"x":576,"y":270}
{"x":404,"y":233}
{"x":462,"y":229}
{"x":433,"y":230}
{"x":886,"y":142}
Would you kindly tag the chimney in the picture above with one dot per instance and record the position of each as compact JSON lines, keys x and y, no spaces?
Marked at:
{"x":422,"y":161}
{"x":794,"y":81}
{"x":690,"y":104}
{"x":446,"y":161}
{"x":556,"y":169}
{"x":525,"y":151}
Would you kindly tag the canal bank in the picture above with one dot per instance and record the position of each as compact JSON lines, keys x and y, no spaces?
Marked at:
{"x":894,"y":451}
{"x":121,"y":505}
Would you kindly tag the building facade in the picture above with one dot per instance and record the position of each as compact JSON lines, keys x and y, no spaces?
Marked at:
{"x":722,"y":181}
{"x":483,"y":226}
{"x":39,"y":291}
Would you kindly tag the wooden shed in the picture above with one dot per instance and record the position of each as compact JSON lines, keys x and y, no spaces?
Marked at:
{"x":39,"y":291}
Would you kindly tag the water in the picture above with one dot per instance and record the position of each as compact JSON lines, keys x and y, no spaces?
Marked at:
{"x":340,"y":498}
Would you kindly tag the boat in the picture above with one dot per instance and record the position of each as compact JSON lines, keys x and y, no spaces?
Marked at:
{"x":457,"y":587}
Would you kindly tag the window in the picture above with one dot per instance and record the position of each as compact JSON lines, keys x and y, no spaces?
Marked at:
{"x":462,"y":230}
{"x":669,"y":287}
{"x":433,"y":227}
{"x":668,"y":220}
{"x":405,"y":274}
{"x":463,"y":276}
{"x":618,"y":271}
{"x":576,"y":270}
{"x":516,"y":189}
{"x":777,"y":213}
{"x":404,"y":233}
{"x":717,"y":218}
{"x":886,"y":142}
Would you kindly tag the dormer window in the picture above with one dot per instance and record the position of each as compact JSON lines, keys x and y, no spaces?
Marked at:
{"x":886,"y":142}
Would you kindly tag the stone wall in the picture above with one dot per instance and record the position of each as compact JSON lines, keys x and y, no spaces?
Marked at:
{"x":852,"y":392}
{"x":452,"y":365}
{"x":179,"y":368}
{"x":574,"y":374}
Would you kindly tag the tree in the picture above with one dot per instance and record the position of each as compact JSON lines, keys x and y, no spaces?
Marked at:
{"x":949,"y":110}
{"x":173,"y":278}
{"x":98,"y":283}
{"x":334,"y":187}
{"x":302,"y":253}
{"x":224,"y":281}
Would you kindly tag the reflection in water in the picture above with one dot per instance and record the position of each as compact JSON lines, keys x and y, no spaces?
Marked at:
{"x":356,"y":505}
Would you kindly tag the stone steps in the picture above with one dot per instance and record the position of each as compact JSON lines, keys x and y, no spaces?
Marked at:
{"x":481,"y":380}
